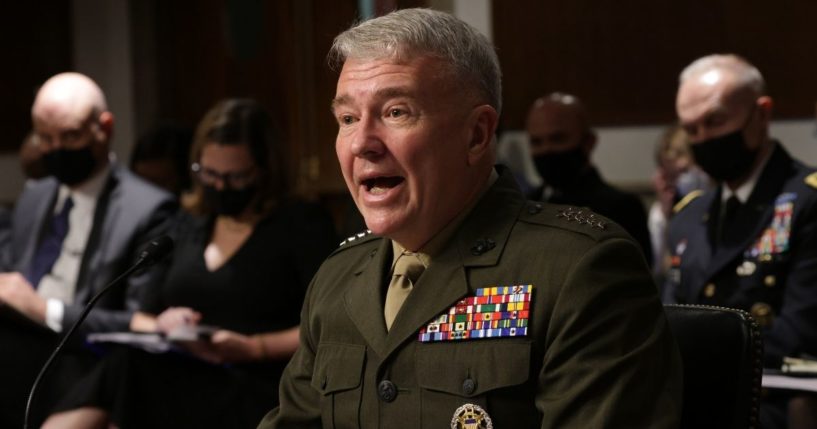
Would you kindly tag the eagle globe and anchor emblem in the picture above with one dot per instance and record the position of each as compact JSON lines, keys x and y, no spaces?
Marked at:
{"x":471,"y":416}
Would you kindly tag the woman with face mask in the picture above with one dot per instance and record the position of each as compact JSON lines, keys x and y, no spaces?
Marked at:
{"x":676,"y":176}
{"x":233,"y":292}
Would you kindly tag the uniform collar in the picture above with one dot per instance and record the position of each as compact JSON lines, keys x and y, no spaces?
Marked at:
{"x":441,"y":239}
{"x":745,"y":190}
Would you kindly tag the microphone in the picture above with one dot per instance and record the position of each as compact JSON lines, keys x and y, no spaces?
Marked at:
{"x":153,"y":252}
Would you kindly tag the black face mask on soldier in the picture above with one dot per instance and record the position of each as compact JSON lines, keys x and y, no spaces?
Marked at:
{"x":725,"y":158}
{"x":560,"y":168}
{"x":229,"y":202}
{"x":70,"y":166}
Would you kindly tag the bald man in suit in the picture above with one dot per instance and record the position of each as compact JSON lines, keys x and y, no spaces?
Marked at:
{"x":71,"y":234}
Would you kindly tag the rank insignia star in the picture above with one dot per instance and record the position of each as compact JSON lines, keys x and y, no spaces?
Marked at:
{"x":581,"y":217}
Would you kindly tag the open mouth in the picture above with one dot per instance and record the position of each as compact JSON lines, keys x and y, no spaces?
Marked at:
{"x":380,"y":185}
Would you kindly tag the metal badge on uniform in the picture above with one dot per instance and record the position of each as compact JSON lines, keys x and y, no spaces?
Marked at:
{"x":747,"y":268}
{"x":763,"y":313}
{"x":681,"y":247}
{"x":471,"y":416}
{"x":775,"y":238}
{"x":493,"y":312}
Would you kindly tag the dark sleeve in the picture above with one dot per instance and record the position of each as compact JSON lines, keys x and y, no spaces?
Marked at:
{"x":111,"y":314}
{"x":636,"y":225}
{"x":299,"y":402}
{"x":151,"y":298}
{"x":610,"y":360}
{"x":794,"y":330}
{"x":315,"y":237}
{"x":5,"y":239}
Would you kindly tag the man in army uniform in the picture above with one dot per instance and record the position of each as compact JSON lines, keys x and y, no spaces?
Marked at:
{"x":465,"y":305}
{"x":750,"y":242}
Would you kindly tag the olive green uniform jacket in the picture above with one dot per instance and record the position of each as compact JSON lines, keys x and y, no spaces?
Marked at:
{"x":598,"y":352}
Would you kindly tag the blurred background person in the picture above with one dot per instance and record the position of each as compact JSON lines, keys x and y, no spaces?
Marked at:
{"x":161,"y":156}
{"x":242,"y":262}
{"x":749,"y":242}
{"x":71,"y":234}
{"x":676,"y":178}
{"x":561,"y":144}
{"x":31,"y":158}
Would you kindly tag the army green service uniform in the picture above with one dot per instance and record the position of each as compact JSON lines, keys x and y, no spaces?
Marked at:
{"x":595,"y":351}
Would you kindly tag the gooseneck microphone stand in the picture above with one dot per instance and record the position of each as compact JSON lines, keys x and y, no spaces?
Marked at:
{"x":155,"y":250}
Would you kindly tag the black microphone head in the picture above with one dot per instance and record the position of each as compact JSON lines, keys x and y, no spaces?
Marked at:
{"x":156,"y":250}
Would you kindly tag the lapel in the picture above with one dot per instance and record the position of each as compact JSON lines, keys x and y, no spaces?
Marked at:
{"x":102,"y":232}
{"x":39,"y":216}
{"x":757,"y":212}
{"x":699,"y":249}
{"x":364,"y":297}
{"x":445,"y":281}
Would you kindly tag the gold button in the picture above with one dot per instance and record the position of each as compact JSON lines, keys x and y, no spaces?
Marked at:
{"x":765,"y":257}
{"x":770,"y":281}
{"x":709,"y":290}
{"x":763,"y":313}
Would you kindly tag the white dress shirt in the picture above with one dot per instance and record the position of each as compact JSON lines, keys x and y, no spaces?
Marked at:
{"x":59,"y":286}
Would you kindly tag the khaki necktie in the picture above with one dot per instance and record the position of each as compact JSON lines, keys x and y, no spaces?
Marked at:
{"x":407,"y":269}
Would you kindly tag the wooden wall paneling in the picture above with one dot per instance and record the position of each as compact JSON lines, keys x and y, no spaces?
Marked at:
{"x":37,"y":44}
{"x":623,"y":58}
{"x":204,"y":54}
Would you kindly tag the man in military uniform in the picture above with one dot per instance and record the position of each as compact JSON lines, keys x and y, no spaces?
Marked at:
{"x":465,"y":305}
{"x":750,"y":242}
{"x":561,"y":144}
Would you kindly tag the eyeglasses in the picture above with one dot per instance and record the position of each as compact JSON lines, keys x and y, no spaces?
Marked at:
{"x":233,"y":179}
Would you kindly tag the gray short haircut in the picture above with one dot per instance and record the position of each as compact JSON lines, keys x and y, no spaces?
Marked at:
{"x":406,"y":33}
{"x":747,"y":75}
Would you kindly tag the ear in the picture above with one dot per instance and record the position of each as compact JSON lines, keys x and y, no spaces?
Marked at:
{"x":482,"y":127}
{"x":765,"y":106}
{"x":105,"y":126}
{"x":589,"y":142}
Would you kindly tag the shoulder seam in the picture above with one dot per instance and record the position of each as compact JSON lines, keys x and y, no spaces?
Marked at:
{"x":680,"y":205}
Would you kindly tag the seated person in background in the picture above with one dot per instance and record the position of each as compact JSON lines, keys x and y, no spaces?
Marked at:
{"x":162,"y":157}
{"x":750,"y":242}
{"x":561,"y":142}
{"x":5,"y":234}
{"x":676,"y":178}
{"x":396,"y":329}
{"x":31,"y":158}
{"x":71,"y":234}
{"x":242,"y":264}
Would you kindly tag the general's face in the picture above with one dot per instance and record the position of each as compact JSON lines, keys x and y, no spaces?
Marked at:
{"x":710,"y":106}
{"x":403,"y":145}
{"x":553,"y":128}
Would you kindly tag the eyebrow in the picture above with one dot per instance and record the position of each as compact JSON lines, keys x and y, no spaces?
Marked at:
{"x":385,"y":93}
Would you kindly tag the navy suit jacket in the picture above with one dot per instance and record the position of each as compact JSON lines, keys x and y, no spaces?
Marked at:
{"x":129,"y":213}
{"x":769,"y":267}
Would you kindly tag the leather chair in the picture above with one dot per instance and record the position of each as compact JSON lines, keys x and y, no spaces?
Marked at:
{"x":722,"y":353}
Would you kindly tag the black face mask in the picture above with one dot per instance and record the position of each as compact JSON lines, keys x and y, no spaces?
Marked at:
{"x":229,"y":202}
{"x":725,"y":158}
{"x":561,"y":168}
{"x":70,"y":166}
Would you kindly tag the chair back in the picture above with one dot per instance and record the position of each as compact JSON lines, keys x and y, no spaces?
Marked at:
{"x":722,"y":353}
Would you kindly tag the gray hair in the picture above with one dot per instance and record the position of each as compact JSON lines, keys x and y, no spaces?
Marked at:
{"x":406,"y":33}
{"x":746,"y":75}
